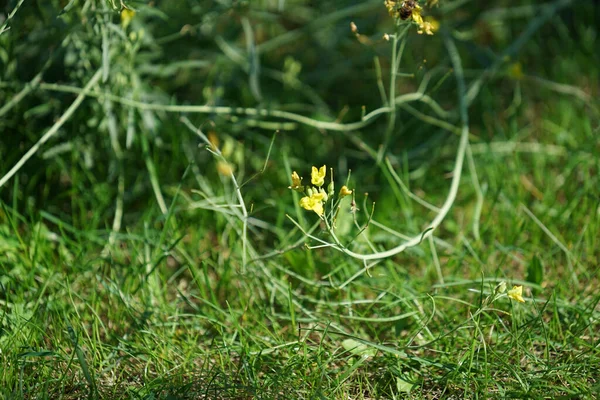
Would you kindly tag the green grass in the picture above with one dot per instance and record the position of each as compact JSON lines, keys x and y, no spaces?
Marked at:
{"x":133,"y":266}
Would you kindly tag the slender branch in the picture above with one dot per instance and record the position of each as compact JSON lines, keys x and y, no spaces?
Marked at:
{"x":52,"y":131}
{"x":4,"y":26}
{"x":367,"y":120}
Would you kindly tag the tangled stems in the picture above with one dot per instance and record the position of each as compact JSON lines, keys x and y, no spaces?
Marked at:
{"x":456,"y":176}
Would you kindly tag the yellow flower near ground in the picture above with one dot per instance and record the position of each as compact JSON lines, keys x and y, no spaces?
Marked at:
{"x":318,"y":176}
{"x":516,"y":293}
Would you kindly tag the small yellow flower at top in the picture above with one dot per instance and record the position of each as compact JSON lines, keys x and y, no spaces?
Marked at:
{"x":516,"y":293}
{"x":318,"y":176}
{"x":416,"y":15}
{"x":429,"y":26}
{"x":344,"y":191}
{"x":126,"y":17}
{"x":313,"y":202}
{"x":392,"y":8}
{"x":296,"y":183}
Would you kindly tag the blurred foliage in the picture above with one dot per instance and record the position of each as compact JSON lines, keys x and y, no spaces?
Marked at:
{"x":308,"y":61}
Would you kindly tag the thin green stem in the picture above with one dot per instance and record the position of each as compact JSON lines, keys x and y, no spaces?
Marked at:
{"x":397,"y":39}
{"x":4,"y":26}
{"x":237,"y":189}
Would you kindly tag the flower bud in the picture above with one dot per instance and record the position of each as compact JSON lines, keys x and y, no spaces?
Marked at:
{"x":501,"y":287}
{"x":296,"y":183}
{"x":331,"y":189}
{"x":344,"y":191}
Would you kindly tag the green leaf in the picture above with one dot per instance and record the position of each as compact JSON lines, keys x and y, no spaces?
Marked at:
{"x":403,"y":386}
{"x":358,"y":349}
{"x":535,"y":271}
{"x":41,"y":353}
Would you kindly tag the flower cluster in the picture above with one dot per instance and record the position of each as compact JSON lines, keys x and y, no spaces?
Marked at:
{"x":429,"y":26}
{"x":405,"y":9}
{"x":315,"y":196}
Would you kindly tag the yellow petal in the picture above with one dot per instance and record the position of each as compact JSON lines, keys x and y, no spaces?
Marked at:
{"x":426,"y":27}
{"x":516,"y":293}
{"x":305,"y":203}
{"x":318,"y":208}
{"x":416,"y":16}
{"x":344,"y":191}
{"x":314,"y":203}
{"x":126,"y":17}
{"x":318,"y":196}
{"x":295,"y":179}
{"x":318,"y":176}
{"x":296,"y":183}
{"x":434,"y":23}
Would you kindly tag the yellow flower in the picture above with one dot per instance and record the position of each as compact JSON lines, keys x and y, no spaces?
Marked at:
{"x":516,"y":293}
{"x":344,"y":191}
{"x":319,"y":196}
{"x":313,"y":202}
{"x":429,"y":26}
{"x":392,"y":8}
{"x":126,"y":17}
{"x":296,"y":183}
{"x":318,"y":176}
{"x":416,"y":15}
